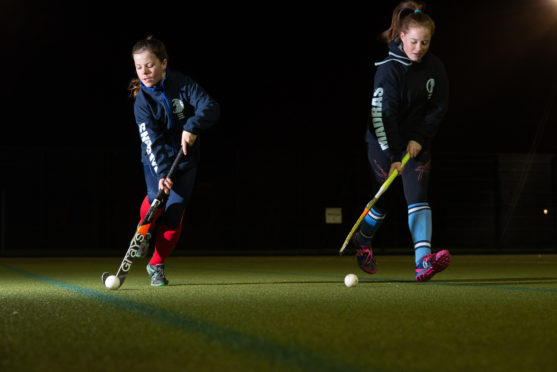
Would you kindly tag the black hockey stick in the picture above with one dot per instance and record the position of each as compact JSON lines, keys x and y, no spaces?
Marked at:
{"x":142,"y":230}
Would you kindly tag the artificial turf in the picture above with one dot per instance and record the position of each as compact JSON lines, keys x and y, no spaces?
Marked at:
{"x":487,"y":313}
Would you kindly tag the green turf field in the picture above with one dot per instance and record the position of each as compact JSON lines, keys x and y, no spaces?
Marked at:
{"x":484,"y":313}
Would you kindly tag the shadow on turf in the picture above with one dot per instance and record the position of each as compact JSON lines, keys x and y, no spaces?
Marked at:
{"x":257,"y":283}
{"x":503,"y":281}
{"x":362,"y":281}
{"x":543,"y":280}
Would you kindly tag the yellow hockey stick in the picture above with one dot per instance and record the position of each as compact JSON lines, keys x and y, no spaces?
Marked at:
{"x":369,"y":205}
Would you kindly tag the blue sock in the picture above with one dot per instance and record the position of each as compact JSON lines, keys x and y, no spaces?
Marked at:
{"x":419,"y":222}
{"x":369,"y":226}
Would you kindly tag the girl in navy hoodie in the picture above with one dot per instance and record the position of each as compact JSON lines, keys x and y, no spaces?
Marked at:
{"x":171,"y":110}
{"x":410,"y":98}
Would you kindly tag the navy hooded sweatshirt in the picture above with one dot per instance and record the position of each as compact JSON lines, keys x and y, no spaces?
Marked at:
{"x":409,"y":101}
{"x":162,"y":112}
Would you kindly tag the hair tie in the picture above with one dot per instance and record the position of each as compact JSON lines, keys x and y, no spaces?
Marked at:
{"x":417,"y":11}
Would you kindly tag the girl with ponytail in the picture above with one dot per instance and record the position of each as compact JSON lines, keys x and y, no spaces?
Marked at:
{"x":410,"y":98}
{"x":171,"y":111}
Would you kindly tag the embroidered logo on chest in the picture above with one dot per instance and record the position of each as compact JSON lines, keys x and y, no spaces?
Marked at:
{"x":178,"y":108}
{"x":429,"y":86}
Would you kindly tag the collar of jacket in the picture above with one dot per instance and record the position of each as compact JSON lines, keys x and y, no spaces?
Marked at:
{"x":396,"y":54}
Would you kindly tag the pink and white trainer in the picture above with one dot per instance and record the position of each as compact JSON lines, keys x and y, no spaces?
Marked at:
{"x":431,"y":264}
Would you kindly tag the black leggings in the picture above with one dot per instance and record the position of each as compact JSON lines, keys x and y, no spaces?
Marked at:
{"x":415,"y":177}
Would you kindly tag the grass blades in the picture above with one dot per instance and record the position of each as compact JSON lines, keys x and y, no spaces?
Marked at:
{"x":279,"y":314}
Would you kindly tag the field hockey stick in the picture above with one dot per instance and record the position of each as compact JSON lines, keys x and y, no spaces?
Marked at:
{"x":143,"y":228}
{"x":369,"y":205}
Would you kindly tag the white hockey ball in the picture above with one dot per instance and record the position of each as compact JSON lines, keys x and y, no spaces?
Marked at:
{"x":351,"y":280}
{"x":112,"y":282}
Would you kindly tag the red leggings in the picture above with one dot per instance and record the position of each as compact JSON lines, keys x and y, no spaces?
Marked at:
{"x":166,"y":238}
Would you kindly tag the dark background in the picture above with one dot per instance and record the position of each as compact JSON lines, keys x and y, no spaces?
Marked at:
{"x":294,"y":83}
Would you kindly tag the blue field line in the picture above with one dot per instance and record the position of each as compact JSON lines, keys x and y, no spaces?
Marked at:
{"x":386,"y":280}
{"x":232,"y":339}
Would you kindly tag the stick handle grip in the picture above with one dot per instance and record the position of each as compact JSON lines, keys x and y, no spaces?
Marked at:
{"x":175,"y":164}
{"x":161,"y":195}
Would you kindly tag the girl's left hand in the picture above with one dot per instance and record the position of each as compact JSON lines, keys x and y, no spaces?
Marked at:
{"x":413,"y":148}
{"x":188,"y":139}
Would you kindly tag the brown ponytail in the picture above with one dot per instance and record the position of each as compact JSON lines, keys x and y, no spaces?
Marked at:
{"x":405,"y":16}
{"x":133,"y":87}
{"x":153,"y":45}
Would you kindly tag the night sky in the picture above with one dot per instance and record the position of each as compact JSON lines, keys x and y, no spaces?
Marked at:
{"x":294,"y":83}
{"x":284,"y":75}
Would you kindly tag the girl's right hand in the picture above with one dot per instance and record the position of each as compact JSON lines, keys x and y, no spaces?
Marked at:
{"x":413,"y":148}
{"x":188,"y":139}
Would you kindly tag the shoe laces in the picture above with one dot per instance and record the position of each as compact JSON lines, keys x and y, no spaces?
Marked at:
{"x":158,"y":271}
{"x":146,"y":239}
{"x":367,"y":253}
{"x":427,"y":260}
